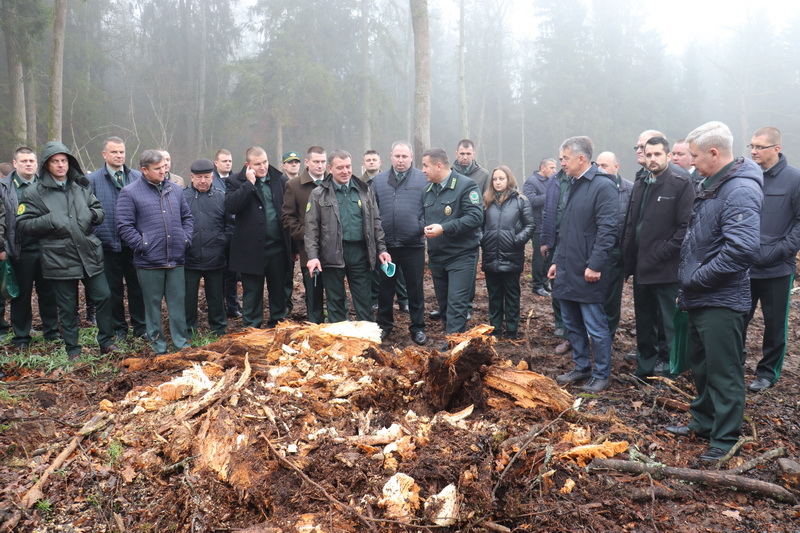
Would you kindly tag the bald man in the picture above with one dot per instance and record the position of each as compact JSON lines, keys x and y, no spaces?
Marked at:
{"x":608,"y":163}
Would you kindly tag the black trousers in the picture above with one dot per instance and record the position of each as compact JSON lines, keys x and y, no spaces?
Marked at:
{"x":120,"y":273}
{"x":411,"y":261}
{"x":28,"y":270}
{"x":774,"y":297}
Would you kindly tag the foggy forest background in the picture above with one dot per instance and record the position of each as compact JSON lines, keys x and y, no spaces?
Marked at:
{"x":193,"y":76}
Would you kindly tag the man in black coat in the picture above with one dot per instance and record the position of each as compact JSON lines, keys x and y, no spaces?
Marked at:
{"x":261,"y":247}
{"x":535,"y":190}
{"x":659,"y":213}
{"x":773,"y":271}
{"x":582,"y":263}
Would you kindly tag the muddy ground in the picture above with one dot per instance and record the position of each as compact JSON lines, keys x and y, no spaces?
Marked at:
{"x":107,"y":485}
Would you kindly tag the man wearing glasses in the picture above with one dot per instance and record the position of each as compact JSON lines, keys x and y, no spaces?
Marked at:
{"x":772,"y":274}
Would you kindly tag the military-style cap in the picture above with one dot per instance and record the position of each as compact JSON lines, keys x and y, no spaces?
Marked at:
{"x":290,"y":156}
{"x":202,"y":166}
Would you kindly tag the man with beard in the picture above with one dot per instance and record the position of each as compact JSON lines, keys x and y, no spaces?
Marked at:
{"x":657,"y":219}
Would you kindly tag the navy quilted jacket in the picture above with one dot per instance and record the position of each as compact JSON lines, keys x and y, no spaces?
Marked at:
{"x":157,"y":225}
{"x":107,"y":193}
{"x":722,"y":241}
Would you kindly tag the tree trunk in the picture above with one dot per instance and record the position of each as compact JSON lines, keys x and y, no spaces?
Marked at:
{"x":366,"y":76}
{"x":462,"y":76}
{"x":55,"y":118}
{"x":201,"y":81}
{"x":31,"y":92}
{"x":16,"y":77}
{"x":422,"y":76}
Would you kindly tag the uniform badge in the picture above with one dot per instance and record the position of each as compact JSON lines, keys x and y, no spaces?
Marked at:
{"x":308,"y":207}
{"x":448,"y":210}
{"x":20,"y":209}
{"x":474,"y":198}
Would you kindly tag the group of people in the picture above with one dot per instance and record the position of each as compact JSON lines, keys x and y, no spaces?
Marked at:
{"x":716,"y":233}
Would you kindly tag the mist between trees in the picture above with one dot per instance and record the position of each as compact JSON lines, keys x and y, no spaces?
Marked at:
{"x":517,"y":78}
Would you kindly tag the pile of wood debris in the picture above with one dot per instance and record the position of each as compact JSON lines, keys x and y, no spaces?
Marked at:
{"x":317,"y":428}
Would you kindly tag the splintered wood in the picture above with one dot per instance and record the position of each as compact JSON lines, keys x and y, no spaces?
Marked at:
{"x":323,"y":409}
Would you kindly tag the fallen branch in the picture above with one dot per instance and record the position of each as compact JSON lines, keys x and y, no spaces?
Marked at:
{"x":668,"y":382}
{"x":352,"y":510}
{"x":532,"y":434}
{"x":97,"y":422}
{"x":757,"y":461}
{"x":733,"y":451}
{"x":705,"y":477}
{"x":672,"y":404}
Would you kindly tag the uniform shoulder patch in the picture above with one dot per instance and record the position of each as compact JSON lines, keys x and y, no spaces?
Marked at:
{"x":308,"y":207}
{"x":474,"y":197}
{"x":20,"y":209}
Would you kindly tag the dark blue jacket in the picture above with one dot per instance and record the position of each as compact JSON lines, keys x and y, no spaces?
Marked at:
{"x":507,"y":227}
{"x":400,"y":206}
{"x":549,"y":226}
{"x":780,"y":222}
{"x":586,"y":238}
{"x":535,"y":190}
{"x":107,"y":193}
{"x":722,"y":241}
{"x":157,"y":225}
{"x":212,"y":229}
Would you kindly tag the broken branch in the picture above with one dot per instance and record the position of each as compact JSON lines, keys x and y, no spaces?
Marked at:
{"x":705,"y":477}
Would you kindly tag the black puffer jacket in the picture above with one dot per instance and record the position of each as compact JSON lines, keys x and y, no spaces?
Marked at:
{"x":507,"y":227}
{"x":722,"y":241}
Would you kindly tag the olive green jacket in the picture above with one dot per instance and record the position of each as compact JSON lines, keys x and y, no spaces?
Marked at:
{"x":62,"y":219}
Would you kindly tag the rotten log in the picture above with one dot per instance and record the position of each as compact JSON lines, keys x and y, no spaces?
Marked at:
{"x":529,"y":389}
{"x":716,"y":479}
{"x":222,"y":390}
{"x":445,"y":375}
{"x":672,"y":404}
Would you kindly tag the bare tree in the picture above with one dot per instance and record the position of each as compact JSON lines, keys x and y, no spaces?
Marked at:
{"x":366,"y":76}
{"x":462,"y":74}
{"x":14,"y":55}
{"x":422,"y":75}
{"x":57,"y":72}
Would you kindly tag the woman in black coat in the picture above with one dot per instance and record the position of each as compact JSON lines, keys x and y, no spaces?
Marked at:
{"x":507,"y":227}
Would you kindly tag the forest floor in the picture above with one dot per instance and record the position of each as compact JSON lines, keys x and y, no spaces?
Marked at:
{"x":286,"y":436}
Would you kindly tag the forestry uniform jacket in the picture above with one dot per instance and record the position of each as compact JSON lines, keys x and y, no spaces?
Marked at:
{"x":458,"y":207}
{"x":156,"y":224}
{"x":586,"y":237}
{"x":212,"y":229}
{"x":108,"y":193}
{"x":62,"y":219}
{"x":722,"y":240}
{"x":507,"y":227}
{"x":780,"y":222}
{"x":401,"y":207}
{"x":248,"y":244}
{"x":323,"y":234}
{"x":12,"y":243}
{"x":475,"y":172}
{"x":293,"y":217}
{"x":664,"y":219}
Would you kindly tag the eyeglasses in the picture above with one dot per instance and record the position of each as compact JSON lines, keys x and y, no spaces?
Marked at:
{"x":757,"y":147}
{"x":638,"y":147}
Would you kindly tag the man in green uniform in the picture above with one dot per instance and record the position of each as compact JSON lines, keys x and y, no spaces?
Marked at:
{"x":25,"y":257}
{"x":61,"y":210}
{"x":344,"y":237}
{"x":453,"y":218}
